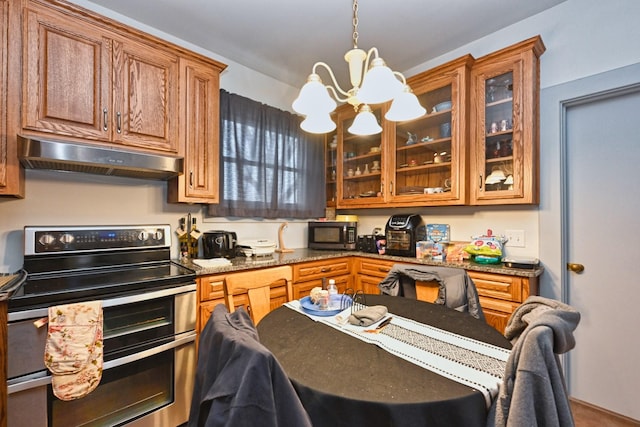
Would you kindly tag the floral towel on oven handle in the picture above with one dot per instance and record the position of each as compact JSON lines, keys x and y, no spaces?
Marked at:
{"x":73,"y":352}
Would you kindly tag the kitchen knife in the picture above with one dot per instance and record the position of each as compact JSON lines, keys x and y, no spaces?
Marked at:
{"x":382,"y":324}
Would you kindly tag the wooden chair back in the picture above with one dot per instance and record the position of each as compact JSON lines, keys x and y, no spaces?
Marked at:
{"x":427,"y":291}
{"x":257,"y":286}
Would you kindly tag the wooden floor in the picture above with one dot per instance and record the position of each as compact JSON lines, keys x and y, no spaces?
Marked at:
{"x":586,"y":415}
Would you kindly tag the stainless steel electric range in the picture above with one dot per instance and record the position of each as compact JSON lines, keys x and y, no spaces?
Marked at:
{"x":149,"y":310}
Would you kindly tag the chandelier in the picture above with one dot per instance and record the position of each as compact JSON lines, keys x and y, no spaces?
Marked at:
{"x":373,"y":83}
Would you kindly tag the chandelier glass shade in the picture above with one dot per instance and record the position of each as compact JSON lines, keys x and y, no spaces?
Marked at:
{"x":405,"y":106}
{"x":318,"y":123}
{"x":373,"y":82}
{"x":365,"y":123}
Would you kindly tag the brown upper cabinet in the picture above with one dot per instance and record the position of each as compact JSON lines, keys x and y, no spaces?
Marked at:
{"x":361,"y":162}
{"x":83,"y":81}
{"x":505,"y":87}
{"x":478,"y":143}
{"x":199,"y":131}
{"x":79,"y":76}
{"x":331,"y":168}
{"x":422,"y":162}
{"x":11,"y":173}
{"x":428,"y":156}
{"x":4,"y":48}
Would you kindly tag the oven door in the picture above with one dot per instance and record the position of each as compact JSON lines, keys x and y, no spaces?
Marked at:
{"x":150,"y":388}
{"x":148,"y":371}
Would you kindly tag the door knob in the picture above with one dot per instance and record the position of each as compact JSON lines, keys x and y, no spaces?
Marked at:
{"x":576,"y":268}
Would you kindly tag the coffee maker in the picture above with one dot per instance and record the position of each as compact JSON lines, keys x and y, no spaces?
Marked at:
{"x":219,"y":244}
{"x":402,"y":232}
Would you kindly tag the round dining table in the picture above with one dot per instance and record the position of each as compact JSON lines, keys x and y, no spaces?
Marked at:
{"x":344,"y":381}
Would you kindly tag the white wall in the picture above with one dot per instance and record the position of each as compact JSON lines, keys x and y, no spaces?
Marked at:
{"x":583,"y":37}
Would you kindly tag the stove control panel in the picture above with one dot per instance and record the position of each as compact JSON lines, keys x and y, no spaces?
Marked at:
{"x":46,"y":240}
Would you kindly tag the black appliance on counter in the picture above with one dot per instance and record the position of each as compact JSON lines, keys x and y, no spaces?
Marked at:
{"x":219,"y":244}
{"x":371,"y":243}
{"x":402,"y":232}
{"x":367,"y":243}
{"x":149,"y":320}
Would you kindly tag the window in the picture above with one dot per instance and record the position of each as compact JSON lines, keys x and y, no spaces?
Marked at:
{"x":270,"y":168}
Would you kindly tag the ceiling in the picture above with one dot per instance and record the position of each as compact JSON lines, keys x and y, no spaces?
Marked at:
{"x":284,"y":38}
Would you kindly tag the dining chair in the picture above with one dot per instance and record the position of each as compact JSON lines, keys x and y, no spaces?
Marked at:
{"x":239,"y":382}
{"x":427,"y":291}
{"x":455,"y":289}
{"x":258,"y":285}
{"x":533,"y":386}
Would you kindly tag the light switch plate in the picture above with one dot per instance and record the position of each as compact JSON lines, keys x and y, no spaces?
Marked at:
{"x":515,"y":238}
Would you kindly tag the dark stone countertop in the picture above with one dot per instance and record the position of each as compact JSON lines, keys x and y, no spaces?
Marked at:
{"x":305,"y":255}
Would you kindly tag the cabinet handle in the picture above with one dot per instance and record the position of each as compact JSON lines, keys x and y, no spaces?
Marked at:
{"x":480,"y":183}
{"x":105,"y":117}
{"x":118,"y":122}
{"x":383,"y":269}
{"x":191,"y":179}
{"x":391,"y":188}
{"x":324,"y":270}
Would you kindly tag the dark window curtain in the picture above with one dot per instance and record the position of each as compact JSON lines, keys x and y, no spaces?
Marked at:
{"x":270,"y":168}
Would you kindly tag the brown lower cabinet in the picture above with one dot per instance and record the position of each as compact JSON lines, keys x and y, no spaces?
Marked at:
{"x":369,"y":272}
{"x":308,"y":275}
{"x":500,"y":294}
{"x":211,"y":292}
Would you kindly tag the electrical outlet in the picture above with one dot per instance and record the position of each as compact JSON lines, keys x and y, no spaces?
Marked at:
{"x":515,"y":238}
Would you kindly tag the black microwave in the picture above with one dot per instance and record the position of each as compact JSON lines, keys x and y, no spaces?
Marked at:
{"x":333,"y":235}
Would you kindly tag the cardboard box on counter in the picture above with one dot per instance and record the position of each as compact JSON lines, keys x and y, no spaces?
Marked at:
{"x":456,"y":252}
{"x":442,"y":251}
{"x":435,"y":251}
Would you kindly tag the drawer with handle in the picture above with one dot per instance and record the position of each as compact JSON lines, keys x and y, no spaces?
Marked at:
{"x":320,"y":269}
{"x":374,"y":267}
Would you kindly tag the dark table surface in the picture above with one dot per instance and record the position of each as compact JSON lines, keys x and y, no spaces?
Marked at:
{"x":343,"y":381}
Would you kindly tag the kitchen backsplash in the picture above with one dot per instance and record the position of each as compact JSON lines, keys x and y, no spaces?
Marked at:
{"x":58,"y":198}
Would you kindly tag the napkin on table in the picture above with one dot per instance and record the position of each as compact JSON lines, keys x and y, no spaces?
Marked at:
{"x":368,"y":316}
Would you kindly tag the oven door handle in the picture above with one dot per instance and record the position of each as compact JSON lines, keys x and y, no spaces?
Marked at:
{"x":42,"y":378}
{"x":178,"y":341}
{"x":112,"y":302}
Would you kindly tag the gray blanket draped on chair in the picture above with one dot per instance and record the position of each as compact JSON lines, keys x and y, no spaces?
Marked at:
{"x":456,"y":289}
{"x":238,"y":381}
{"x":533,"y":392}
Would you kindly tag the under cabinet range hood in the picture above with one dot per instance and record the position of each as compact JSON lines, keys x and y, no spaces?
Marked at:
{"x":36,"y":153}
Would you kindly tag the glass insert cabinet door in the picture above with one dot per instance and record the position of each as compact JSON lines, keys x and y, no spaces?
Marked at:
{"x":428,"y":155}
{"x":498,"y":169}
{"x":331,"y":168}
{"x":361,"y":162}
{"x":423,"y":152}
{"x":505,"y":124}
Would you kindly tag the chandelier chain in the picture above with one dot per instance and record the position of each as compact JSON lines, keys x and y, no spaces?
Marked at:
{"x":372,"y":81}
{"x":355,"y":24}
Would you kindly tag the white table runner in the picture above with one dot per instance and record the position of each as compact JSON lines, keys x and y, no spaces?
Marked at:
{"x":471,"y":362}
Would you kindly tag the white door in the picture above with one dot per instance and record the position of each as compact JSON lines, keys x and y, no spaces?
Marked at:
{"x":602,"y":231}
